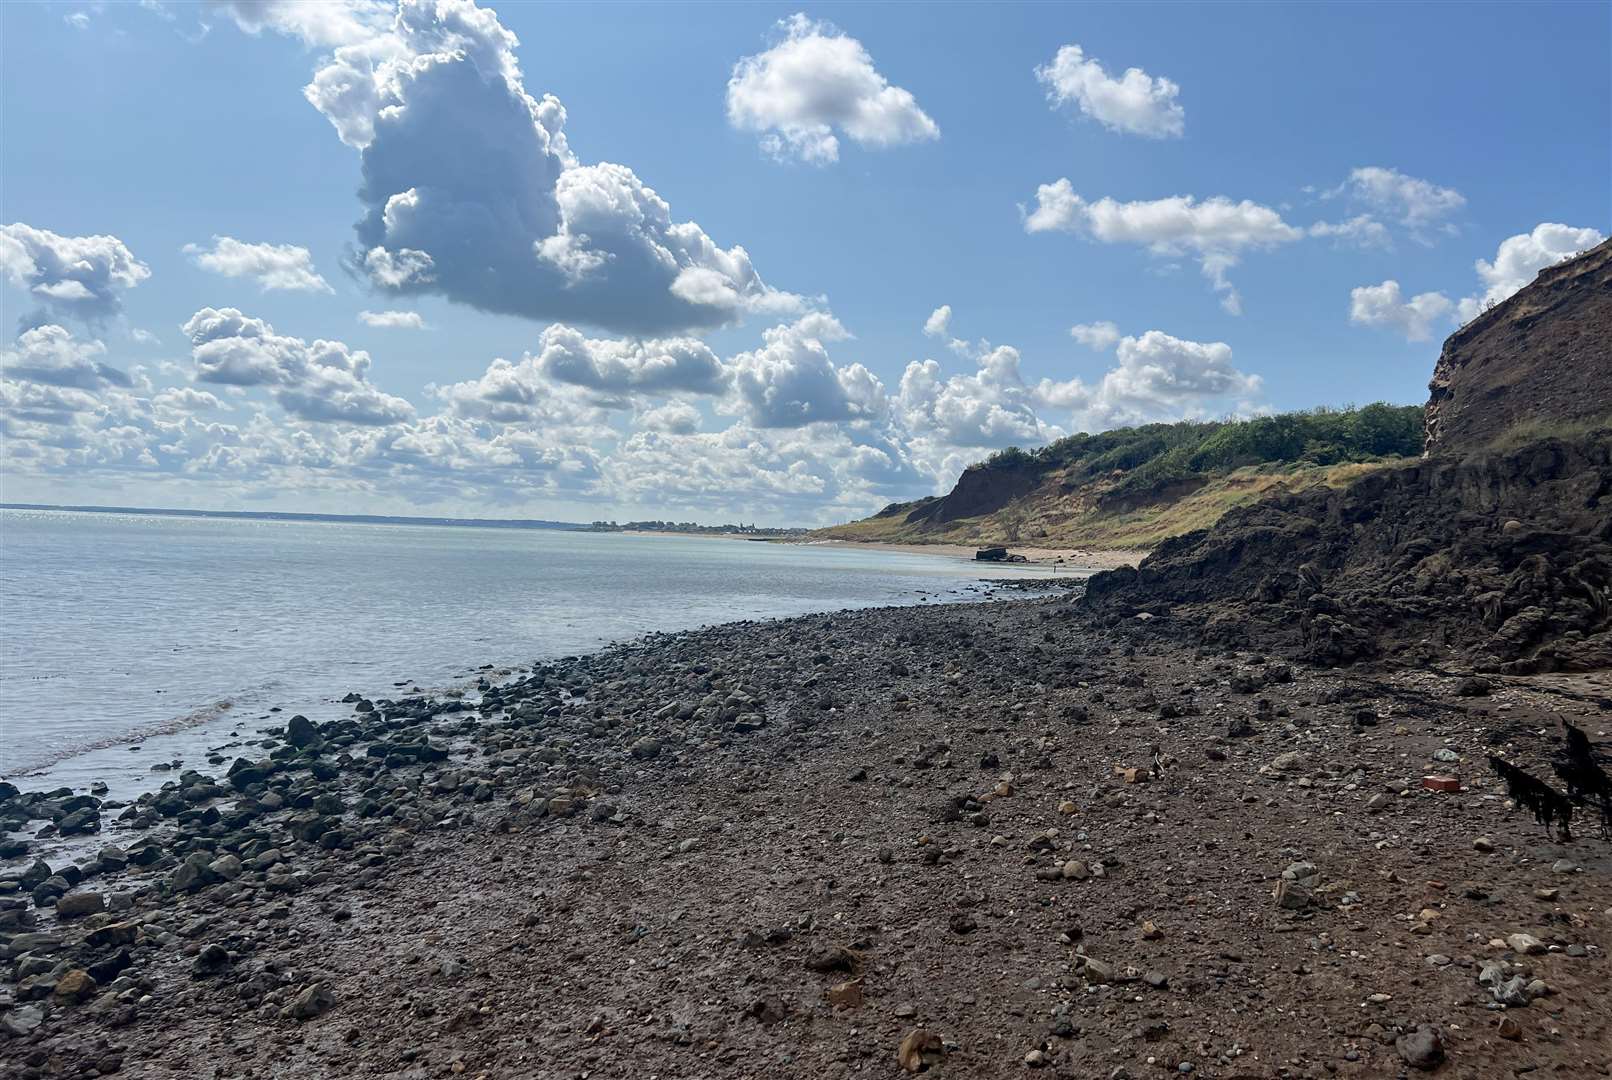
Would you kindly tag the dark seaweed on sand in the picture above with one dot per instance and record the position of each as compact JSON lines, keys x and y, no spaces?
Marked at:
{"x":1587,"y":783}
{"x":1549,"y":806}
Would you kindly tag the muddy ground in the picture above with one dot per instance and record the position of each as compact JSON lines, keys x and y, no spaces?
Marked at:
{"x":779,"y":849}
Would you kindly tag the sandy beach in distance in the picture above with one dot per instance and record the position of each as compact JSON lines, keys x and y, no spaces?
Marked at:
{"x":1074,"y":558}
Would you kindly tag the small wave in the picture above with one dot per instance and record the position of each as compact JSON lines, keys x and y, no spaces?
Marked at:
{"x":196,"y":717}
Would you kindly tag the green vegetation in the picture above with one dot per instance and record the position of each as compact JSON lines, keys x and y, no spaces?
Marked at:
{"x":1533,"y":430}
{"x":1156,"y":455}
{"x":1134,"y":487}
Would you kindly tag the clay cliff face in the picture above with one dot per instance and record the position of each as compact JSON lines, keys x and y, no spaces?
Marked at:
{"x":1543,"y":358}
{"x":982,"y":489}
{"x":1495,"y":550}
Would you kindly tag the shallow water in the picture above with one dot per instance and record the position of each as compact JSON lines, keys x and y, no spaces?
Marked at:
{"x":175,"y":633}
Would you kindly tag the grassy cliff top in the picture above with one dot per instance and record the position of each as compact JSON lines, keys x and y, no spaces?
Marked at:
{"x":1133,"y":487}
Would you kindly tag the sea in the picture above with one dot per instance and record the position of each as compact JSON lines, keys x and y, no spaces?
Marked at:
{"x":130,"y":642}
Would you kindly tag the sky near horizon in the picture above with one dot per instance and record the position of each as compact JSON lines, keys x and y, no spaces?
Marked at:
{"x":765,"y":262}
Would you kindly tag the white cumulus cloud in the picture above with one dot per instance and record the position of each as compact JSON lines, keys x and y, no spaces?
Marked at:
{"x":791,"y":382}
{"x":814,"y":82}
{"x":612,"y":366}
{"x":1135,"y":103}
{"x":318,"y":23}
{"x":471,"y":191}
{"x":1158,"y":377}
{"x":939,"y":321}
{"x":323,"y":381}
{"x":275,"y":267}
{"x":1383,"y":305}
{"x":1520,"y":258}
{"x":393,"y":320}
{"x":52,"y":356}
{"x":68,"y":276}
{"x":1217,"y":231}
{"x":1417,"y":204}
{"x":1100,"y":336}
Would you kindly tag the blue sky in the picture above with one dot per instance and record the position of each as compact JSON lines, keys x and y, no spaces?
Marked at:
{"x":1284,"y":162}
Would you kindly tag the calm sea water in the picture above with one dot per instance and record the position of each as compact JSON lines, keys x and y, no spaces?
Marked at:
{"x":172,"y":634}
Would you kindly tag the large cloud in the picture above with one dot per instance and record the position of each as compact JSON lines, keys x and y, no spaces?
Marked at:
{"x":1517,"y":261}
{"x":1419,"y":205}
{"x":665,"y":366}
{"x":322,"y":381}
{"x":1521,"y":257}
{"x":317,"y":22}
{"x":814,"y":81}
{"x":1383,"y":305}
{"x":68,"y":276}
{"x":1135,"y":103}
{"x":1216,"y":231}
{"x":51,"y":356}
{"x":791,"y":382}
{"x":1158,"y":377}
{"x":472,"y":192}
{"x":284,"y":267}
{"x":950,"y":421}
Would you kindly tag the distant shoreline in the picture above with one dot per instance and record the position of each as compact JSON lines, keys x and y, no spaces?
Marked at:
{"x":1073,"y":558}
{"x":338,"y":519}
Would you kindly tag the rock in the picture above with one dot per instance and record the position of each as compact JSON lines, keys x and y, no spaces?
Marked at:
{"x":227,"y":867}
{"x":1446,"y":755}
{"x":76,"y":985}
{"x":77,"y":905}
{"x":1512,"y":992}
{"x":1483,"y":844}
{"x":107,"y":968}
{"x":192,"y":874}
{"x":314,"y":1001}
{"x":310,"y":826}
{"x":845,"y":995}
{"x":212,"y":959}
{"x":825,"y":958}
{"x":920,"y":1050}
{"x":21,"y":1020}
{"x":118,"y":933}
{"x":1037,"y":1059}
{"x":1508,"y":1028}
{"x":1525,"y":944}
{"x":1292,"y":761}
{"x":1291,"y":896}
{"x":87,"y":820}
{"x":1075,"y":870}
{"x":301,"y":732}
{"x":1422,"y":1048}
{"x":1473,"y":686}
{"x":645,"y":748}
{"x":768,"y":1010}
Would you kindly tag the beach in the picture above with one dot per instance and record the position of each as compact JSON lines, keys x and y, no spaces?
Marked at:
{"x":1073,"y":559}
{"x":1002,"y":836}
